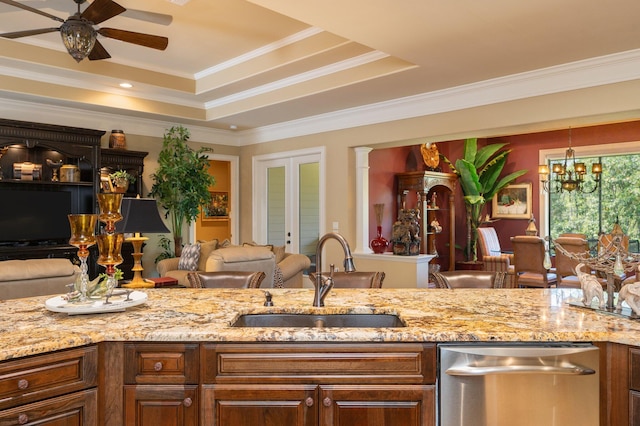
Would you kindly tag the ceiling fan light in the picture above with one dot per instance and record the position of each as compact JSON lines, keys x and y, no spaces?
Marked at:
{"x":79,"y":37}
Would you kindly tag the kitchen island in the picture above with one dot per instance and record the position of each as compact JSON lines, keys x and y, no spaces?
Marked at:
{"x":198,"y":323}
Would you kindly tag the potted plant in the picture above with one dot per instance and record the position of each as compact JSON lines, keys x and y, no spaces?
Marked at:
{"x":121,"y":180}
{"x":181,"y":181}
{"x":478,"y":172}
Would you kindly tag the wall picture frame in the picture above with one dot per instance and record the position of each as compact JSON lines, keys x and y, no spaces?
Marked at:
{"x":512,"y":202}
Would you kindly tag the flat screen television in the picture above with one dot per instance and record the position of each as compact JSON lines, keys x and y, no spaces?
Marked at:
{"x":34,"y":217}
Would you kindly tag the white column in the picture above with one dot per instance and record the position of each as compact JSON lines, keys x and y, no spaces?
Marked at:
{"x":362,"y":200}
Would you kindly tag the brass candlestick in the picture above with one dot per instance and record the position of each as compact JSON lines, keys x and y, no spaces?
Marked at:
{"x":83,"y":236}
{"x":110,"y":242}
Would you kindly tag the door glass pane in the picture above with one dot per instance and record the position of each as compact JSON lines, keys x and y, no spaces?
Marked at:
{"x":309,"y":211}
{"x":276,"y":218}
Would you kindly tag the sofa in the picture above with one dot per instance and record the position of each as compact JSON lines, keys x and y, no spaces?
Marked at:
{"x":36,"y":277}
{"x":281,"y":269}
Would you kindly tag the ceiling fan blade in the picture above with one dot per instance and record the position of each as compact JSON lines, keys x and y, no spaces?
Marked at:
{"x":31,"y":9}
{"x":101,"y":10}
{"x":147,"y":40}
{"x":153,"y":17}
{"x":27,"y":33}
{"x":98,"y":52}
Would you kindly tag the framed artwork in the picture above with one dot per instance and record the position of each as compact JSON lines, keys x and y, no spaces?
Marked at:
{"x":219,"y":206}
{"x":512,"y":202}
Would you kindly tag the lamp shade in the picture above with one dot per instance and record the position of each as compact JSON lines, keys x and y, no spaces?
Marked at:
{"x":140,"y":215}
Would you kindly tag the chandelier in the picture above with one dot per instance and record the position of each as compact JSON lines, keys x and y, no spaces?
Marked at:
{"x":569,"y":175}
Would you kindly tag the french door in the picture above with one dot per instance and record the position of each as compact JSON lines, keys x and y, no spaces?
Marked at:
{"x":288,"y":200}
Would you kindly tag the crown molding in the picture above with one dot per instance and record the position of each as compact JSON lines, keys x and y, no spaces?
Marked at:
{"x":615,"y":68}
{"x":75,"y":117}
{"x":610,"y":69}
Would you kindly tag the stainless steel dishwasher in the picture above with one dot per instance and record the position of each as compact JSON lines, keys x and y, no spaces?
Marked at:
{"x":518,"y":385}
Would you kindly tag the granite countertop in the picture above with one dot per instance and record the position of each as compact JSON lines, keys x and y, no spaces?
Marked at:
{"x":205,"y":315}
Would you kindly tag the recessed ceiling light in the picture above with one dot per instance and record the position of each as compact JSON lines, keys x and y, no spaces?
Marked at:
{"x":233,"y":127}
{"x":126,"y":85}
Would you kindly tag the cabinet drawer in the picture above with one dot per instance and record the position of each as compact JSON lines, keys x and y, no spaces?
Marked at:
{"x":328,"y":363}
{"x":158,"y":363}
{"x":634,"y":369}
{"x":79,"y":408}
{"x":44,"y":376}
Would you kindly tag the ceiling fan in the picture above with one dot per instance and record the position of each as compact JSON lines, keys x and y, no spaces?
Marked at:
{"x":79,"y":34}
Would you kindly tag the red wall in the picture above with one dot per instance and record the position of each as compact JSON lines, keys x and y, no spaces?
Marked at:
{"x":385,"y":163}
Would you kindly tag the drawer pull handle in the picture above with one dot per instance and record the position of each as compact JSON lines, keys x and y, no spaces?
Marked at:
{"x":157,"y":366}
{"x":326,"y":402}
{"x":309,"y":402}
{"x":187,"y":402}
{"x":23,"y":419}
{"x":23,"y":384}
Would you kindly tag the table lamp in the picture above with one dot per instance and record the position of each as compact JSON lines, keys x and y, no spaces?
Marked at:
{"x":140,"y":215}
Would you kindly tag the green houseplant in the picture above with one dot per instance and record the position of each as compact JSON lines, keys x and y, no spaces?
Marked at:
{"x":479,"y":172}
{"x":181,"y":181}
{"x":121,"y":180}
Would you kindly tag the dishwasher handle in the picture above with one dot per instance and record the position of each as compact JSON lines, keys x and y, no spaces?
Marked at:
{"x":469,"y":370}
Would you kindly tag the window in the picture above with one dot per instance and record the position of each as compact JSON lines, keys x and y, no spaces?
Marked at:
{"x":616,"y":199}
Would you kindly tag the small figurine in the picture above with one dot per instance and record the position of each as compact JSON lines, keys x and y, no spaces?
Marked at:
{"x":434,"y":201}
{"x":630,"y":293}
{"x":435,"y":225}
{"x":591,"y":287}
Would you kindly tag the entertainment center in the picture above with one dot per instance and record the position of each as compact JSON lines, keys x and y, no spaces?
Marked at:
{"x":37,"y":196}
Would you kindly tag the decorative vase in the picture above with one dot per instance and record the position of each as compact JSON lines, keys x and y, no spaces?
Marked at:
{"x":379,"y":244}
{"x":117,"y":140}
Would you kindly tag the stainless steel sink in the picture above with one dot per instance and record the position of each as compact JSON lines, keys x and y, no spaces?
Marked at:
{"x":319,"y":320}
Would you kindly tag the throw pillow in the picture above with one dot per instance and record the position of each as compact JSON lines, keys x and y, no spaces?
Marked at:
{"x":279,"y":252}
{"x":206,"y":247}
{"x":189,"y":257}
{"x":254,"y":244}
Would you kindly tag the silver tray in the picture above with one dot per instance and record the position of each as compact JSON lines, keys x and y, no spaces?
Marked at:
{"x":117,"y":303}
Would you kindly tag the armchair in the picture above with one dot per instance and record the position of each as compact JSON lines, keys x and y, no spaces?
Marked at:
{"x":529,"y":267}
{"x":281,"y":269}
{"x":469,"y":279}
{"x":226,"y":279}
{"x":493,"y":258}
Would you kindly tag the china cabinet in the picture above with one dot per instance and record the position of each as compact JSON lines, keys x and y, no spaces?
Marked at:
{"x":432,"y":193}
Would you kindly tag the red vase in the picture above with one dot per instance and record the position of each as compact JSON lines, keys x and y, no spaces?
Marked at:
{"x":379,"y":244}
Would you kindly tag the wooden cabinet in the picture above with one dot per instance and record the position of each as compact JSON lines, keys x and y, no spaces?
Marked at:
{"x":36,"y":225}
{"x":634,"y":386}
{"x":432,"y":193}
{"x":319,"y":384}
{"x":161,"y":384}
{"x":52,"y":389}
{"x":130,"y":161}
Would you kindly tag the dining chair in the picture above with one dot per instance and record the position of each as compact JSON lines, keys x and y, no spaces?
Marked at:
{"x":565,"y":265}
{"x":469,"y":279}
{"x":355,"y":279}
{"x":226,"y":279}
{"x":529,"y":253}
{"x":492,"y":256}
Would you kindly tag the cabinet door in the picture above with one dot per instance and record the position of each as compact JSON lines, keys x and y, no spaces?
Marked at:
{"x":168,"y":405}
{"x":373,"y":405}
{"x":260,"y":405}
{"x":79,"y":408}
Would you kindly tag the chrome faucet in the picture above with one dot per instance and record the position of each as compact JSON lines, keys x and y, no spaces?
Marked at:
{"x":322,"y":284}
